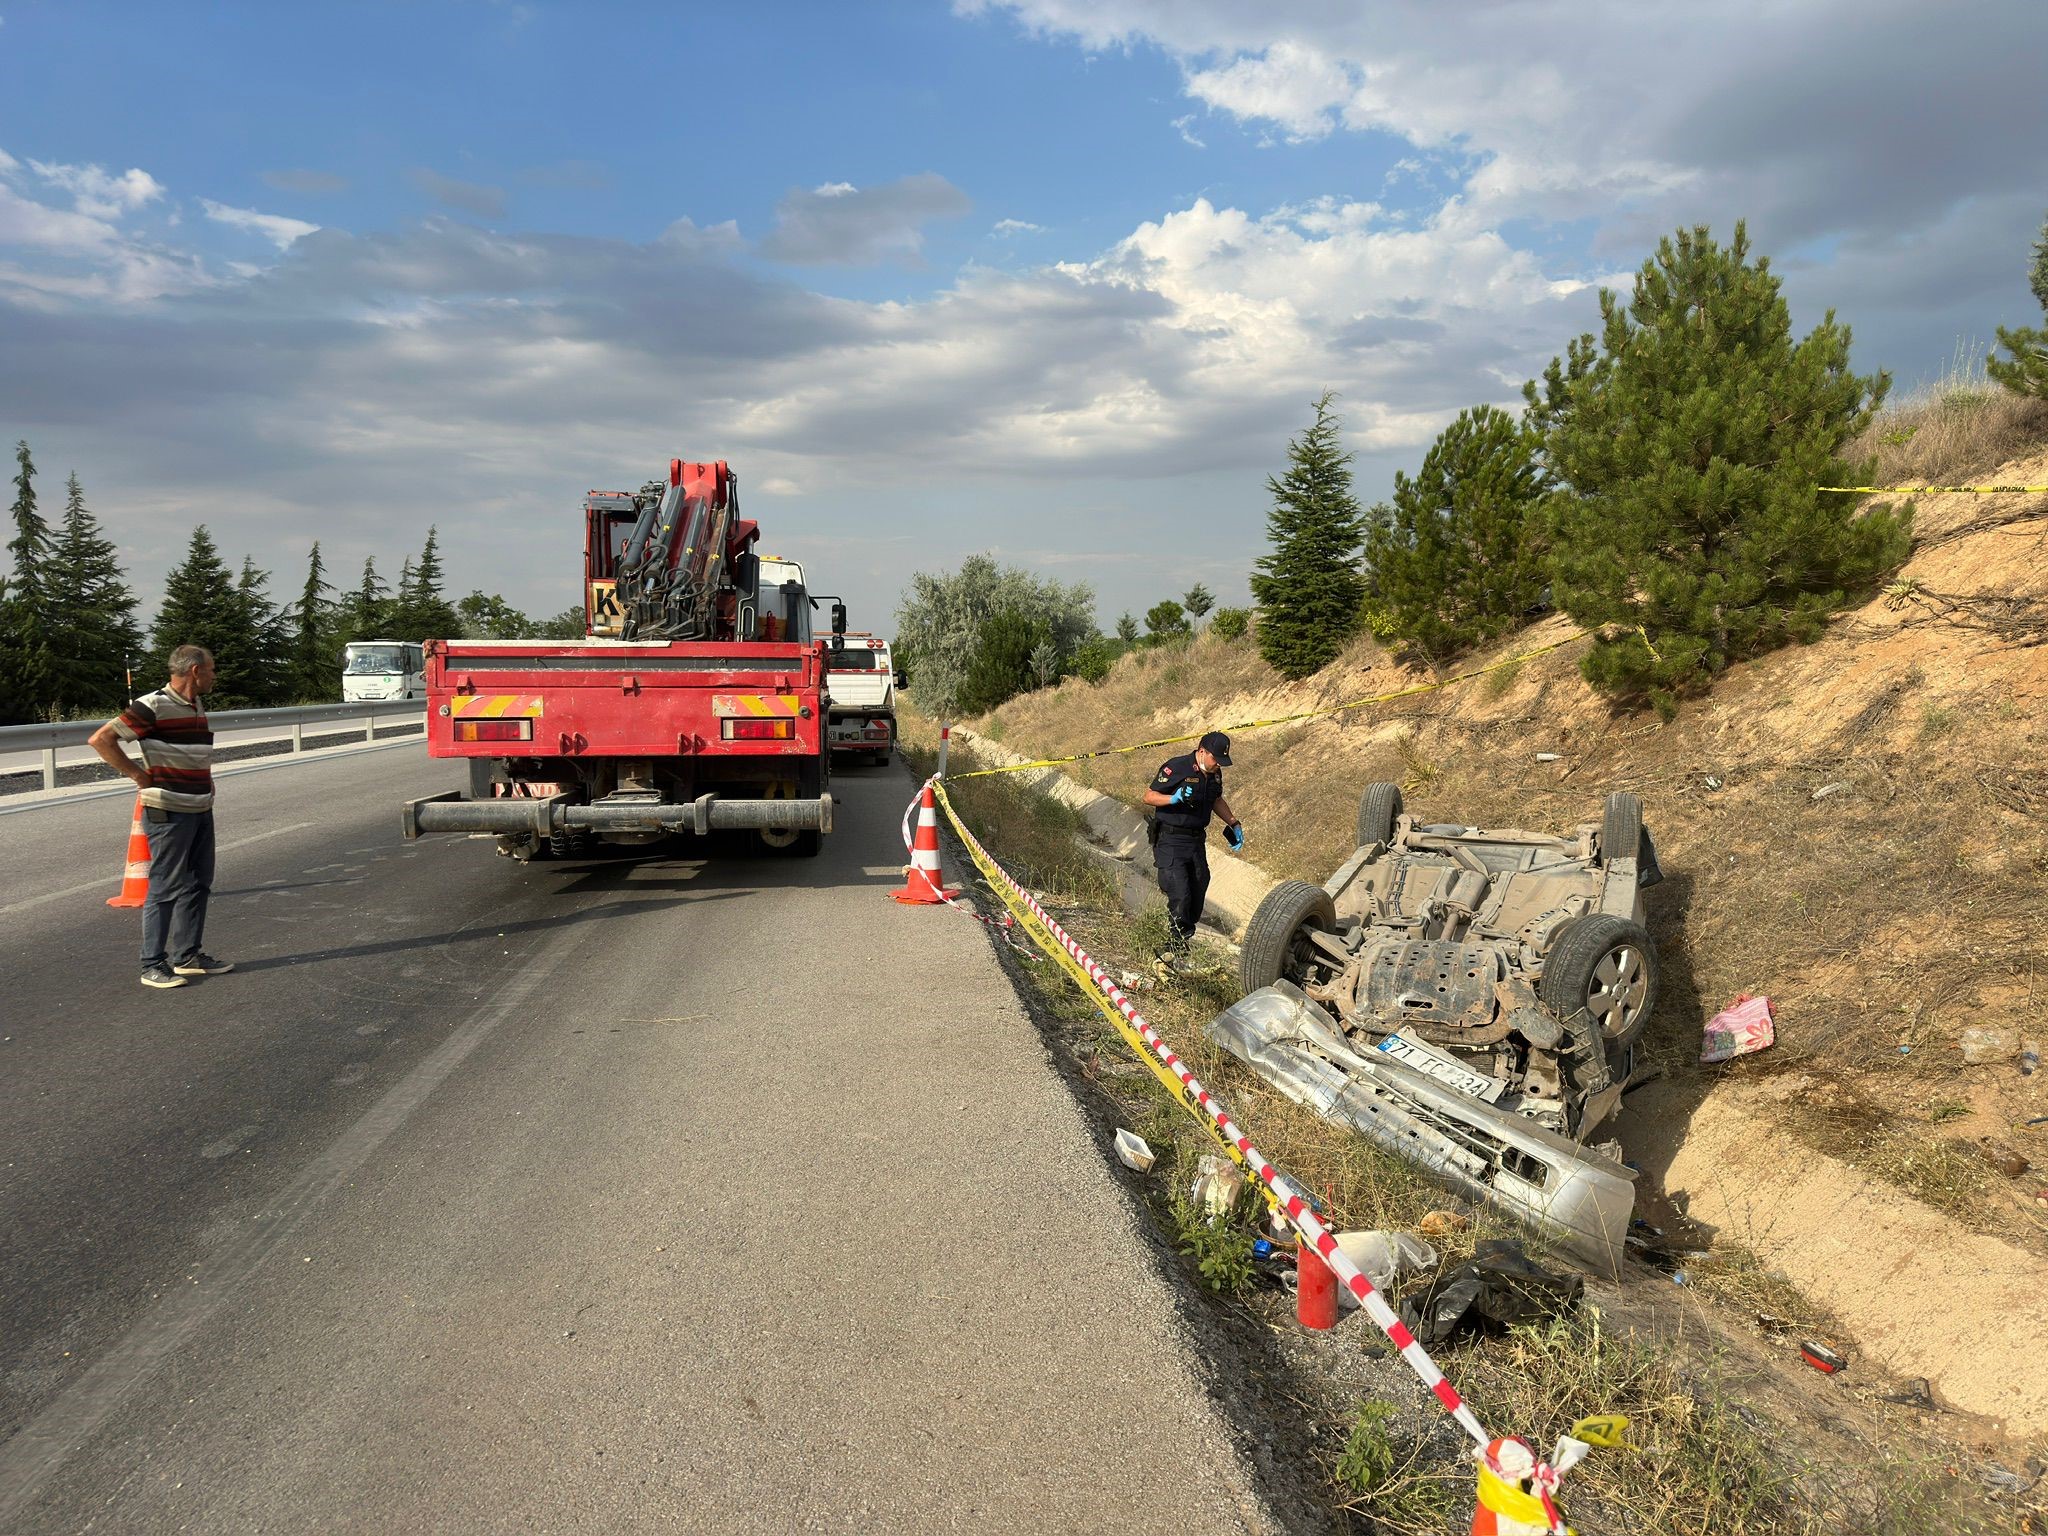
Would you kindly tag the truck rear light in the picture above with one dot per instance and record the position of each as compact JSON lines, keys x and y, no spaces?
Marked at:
{"x":494,"y":730}
{"x":758,"y":730}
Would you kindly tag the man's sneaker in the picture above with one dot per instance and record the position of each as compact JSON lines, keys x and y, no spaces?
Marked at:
{"x":163,"y":976}
{"x":203,"y":964}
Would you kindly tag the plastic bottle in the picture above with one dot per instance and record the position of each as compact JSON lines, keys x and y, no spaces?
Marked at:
{"x":1982,"y":1043}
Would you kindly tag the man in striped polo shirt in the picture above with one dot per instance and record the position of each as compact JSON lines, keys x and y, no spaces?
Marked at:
{"x":176,"y":779}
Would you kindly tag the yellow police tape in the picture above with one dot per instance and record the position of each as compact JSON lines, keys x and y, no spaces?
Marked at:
{"x":1938,"y":490}
{"x":1306,"y":714}
{"x":1056,"y":951}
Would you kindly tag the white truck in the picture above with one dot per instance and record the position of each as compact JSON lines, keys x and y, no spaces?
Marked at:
{"x":860,"y":712}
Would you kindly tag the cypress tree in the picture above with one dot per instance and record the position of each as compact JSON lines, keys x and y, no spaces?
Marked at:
{"x":430,"y":617}
{"x":1127,"y":629}
{"x":1452,"y":559}
{"x":2026,"y":371}
{"x":1198,"y":600}
{"x":1308,"y":586}
{"x":313,"y":666}
{"x":26,"y":662}
{"x":1689,"y":445}
{"x":95,"y":637}
{"x":200,"y":607}
{"x":261,"y":662}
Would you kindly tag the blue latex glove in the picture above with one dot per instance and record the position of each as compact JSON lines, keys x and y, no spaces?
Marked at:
{"x":1182,"y":795}
{"x":1234,"y":835}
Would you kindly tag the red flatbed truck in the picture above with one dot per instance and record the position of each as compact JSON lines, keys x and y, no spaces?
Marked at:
{"x":695,"y":702}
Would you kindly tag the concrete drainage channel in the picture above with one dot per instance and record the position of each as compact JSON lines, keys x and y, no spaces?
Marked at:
{"x":1116,"y":840}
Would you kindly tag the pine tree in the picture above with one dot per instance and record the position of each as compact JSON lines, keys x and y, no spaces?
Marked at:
{"x":1308,"y":586}
{"x":399,"y":612}
{"x":313,"y":665}
{"x":1453,"y":559}
{"x":26,"y":662}
{"x":1198,"y":600}
{"x":431,"y":617}
{"x":1688,"y":445}
{"x":1166,"y":621}
{"x":2026,"y":371}
{"x":256,"y":672}
{"x":200,"y":607}
{"x":368,"y":606}
{"x":95,"y":638}
{"x":1127,"y":629}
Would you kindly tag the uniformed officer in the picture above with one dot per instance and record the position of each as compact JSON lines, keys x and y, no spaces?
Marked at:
{"x":1184,"y":793}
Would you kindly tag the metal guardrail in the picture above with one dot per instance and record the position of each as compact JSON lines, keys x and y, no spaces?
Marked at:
{"x":47,"y":739}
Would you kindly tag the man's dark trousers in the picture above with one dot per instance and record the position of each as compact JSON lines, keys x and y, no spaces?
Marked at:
{"x":180,"y":879}
{"x":1182,"y":858}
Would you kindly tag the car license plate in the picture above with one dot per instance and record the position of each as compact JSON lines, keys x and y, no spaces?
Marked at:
{"x":1411,"y":1052}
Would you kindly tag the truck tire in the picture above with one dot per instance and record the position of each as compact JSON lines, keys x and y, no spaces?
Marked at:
{"x":1273,"y":940}
{"x":569,"y":843}
{"x":1621,"y":827}
{"x":1377,"y":809}
{"x":1608,"y":966}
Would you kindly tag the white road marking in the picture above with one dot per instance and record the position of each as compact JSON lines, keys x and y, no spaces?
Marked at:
{"x":114,"y":880}
{"x":41,"y":1447}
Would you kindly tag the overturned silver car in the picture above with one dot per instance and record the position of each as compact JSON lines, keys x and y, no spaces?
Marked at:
{"x":1469,"y":998}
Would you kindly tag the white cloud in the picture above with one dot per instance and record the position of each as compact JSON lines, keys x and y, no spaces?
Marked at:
{"x":274,"y":227}
{"x":1187,"y":134}
{"x":835,"y":189}
{"x":97,"y":194}
{"x":1016,"y":227}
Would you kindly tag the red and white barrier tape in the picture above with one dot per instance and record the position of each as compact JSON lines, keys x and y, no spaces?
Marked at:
{"x":1292,"y":1202}
{"x":1000,"y":926}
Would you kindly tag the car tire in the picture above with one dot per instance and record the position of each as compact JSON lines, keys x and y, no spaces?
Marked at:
{"x":1608,"y":966}
{"x":1621,"y":827}
{"x":1273,"y":938}
{"x":1378,"y":808}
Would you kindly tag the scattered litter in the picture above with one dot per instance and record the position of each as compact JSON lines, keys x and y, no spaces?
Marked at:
{"x":1441,"y":1224}
{"x":1678,"y":1277}
{"x":1996,"y":1478}
{"x":2039,"y":1120}
{"x":1983,"y":1043}
{"x":1745,"y":1025}
{"x":1549,"y":757}
{"x":1830,"y":789}
{"x":1217,"y":1183}
{"x":1500,"y":1286}
{"x":2004,"y":1158}
{"x":2030,"y":1058}
{"x":1132,"y":1151}
{"x":1714,"y":781}
{"x":1385,"y":1258}
{"x":1771,"y":1323}
{"x":1822,"y":1358}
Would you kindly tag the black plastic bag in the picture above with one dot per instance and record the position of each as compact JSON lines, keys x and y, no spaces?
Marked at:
{"x":1498,"y":1288}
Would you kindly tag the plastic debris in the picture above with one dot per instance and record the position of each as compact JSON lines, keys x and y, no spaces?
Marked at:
{"x":1549,"y":757}
{"x":1500,"y":1286}
{"x":1984,"y":1043}
{"x":1132,"y":1151}
{"x":1713,"y":781}
{"x":2030,"y":1058}
{"x":1745,"y":1025}
{"x":1217,"y":1182}
{"x":1385,"y":1258}
{"x":1823,"y":1359}
{"x":1830,"y":789}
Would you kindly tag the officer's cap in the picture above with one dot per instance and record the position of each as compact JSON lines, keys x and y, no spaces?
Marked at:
{"x":1217,"y":745}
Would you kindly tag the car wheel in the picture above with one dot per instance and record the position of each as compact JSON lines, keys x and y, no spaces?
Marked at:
{"x":1607,"y":966}
{"x":1276,"y":942}
{"x":1621,"y":827}
{"x":1377,"y":810}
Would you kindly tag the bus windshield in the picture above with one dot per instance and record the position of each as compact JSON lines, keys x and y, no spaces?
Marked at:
{"x":376,"y":660}
{"x":853,"y":661}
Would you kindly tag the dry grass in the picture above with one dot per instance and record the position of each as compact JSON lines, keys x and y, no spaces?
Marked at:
{"x":1959,"y":426}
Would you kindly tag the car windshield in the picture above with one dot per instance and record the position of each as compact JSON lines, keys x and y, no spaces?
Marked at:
{"x":855,"y":661}
{"x":377,"y":659}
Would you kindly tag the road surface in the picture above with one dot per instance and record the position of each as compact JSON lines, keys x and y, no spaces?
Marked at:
{"x":623,"y":1193}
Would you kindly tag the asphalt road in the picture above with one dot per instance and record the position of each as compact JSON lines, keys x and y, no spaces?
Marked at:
{"x":662,"y":1193}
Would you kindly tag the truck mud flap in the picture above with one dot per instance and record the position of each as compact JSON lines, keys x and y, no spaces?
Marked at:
{"x":1484,"y":1153}
{"x":707,"y":813}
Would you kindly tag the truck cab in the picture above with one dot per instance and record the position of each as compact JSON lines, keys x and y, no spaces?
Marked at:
{"x":860,"y":683}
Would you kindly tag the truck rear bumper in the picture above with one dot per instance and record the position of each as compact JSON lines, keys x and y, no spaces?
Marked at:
{"x":449,"y":812}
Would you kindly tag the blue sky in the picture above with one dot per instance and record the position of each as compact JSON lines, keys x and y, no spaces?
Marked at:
{"x":1049,"y":278}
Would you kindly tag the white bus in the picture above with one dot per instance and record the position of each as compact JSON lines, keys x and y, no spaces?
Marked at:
{"x":383,"y":669}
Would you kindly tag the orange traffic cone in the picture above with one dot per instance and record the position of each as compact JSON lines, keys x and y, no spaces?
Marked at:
{"x":135,"y":877}
{"x":924,"y":883}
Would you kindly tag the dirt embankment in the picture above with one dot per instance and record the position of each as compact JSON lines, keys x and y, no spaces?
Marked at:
{"x":1855,"y":828}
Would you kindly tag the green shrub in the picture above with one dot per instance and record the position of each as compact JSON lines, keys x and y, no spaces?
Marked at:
{"x":1230,"y":623}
